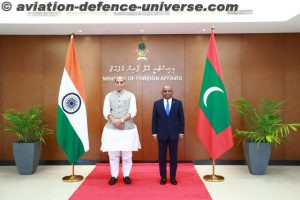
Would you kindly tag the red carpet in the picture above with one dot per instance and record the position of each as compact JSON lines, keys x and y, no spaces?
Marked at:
{"x":145,"y":184}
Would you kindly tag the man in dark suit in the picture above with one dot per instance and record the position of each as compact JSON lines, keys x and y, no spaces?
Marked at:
{"x":167,"y":128}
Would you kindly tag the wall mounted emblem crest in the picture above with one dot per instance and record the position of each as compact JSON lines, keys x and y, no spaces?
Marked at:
{"x":142,"y":51}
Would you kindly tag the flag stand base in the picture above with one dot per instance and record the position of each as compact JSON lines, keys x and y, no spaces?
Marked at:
{"x":72,"y":178}
{"x":213,"y":178}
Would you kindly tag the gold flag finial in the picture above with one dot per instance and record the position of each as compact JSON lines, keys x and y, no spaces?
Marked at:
{"x":72,"y":35}
{"x":213,"y":28}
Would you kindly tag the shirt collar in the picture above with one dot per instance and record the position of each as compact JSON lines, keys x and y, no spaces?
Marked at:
{"x":170,"y":100}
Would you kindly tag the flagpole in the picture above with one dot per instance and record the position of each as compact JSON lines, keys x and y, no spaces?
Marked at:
{"x":73,"y":177}
{"x":66,"y":128}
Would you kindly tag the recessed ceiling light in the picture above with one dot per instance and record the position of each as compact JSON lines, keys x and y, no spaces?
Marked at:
{"x":142,"y":30}
{"x":80,"y":31}
{"x":203,"y":30}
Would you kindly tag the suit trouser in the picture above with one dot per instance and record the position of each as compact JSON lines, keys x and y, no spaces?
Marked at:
{"x":114,"y":160}
{"x":173,"y":149}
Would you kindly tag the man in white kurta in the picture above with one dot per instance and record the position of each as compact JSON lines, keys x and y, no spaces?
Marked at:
{"x":120,"y":135}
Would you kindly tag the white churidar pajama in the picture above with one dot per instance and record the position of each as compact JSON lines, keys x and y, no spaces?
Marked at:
{"x":114,"y":160}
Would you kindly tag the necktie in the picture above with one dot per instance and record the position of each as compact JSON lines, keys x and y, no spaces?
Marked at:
{"x":168,"y":108}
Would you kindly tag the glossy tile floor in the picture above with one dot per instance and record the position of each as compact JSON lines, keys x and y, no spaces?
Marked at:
{"x":280,"y":182}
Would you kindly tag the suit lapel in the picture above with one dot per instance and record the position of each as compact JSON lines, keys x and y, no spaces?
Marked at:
{"x":161,"y":104}
{"x":172,"y":106}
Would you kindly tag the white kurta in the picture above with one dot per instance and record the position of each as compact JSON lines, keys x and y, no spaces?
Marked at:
{"x":120,"y":140}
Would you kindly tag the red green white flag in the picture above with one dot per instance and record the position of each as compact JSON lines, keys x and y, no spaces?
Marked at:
{"x":72,"y":131}
{"x":213,"y":125}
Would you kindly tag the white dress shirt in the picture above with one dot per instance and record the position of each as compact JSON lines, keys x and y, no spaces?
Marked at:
{"x":170,"y":103}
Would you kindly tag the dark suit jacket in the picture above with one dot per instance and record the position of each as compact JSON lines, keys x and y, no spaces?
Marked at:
{"x":167,"y":127}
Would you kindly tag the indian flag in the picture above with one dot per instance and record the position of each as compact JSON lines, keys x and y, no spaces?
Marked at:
{"x":72,"y":131}
{"x":213,"y":127}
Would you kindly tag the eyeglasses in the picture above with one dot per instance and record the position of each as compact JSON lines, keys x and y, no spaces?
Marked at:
{"x":119,"y":82}
{"x":167,"y":90}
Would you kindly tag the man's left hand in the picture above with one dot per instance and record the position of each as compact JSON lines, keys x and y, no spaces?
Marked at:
{"x":181,"y":136}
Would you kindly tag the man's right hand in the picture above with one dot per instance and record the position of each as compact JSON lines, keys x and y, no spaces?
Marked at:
{"x":154,"y":137}
{"x":118,"y":124}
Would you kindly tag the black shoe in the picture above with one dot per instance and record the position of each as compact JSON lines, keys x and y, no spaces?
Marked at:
{"x":127,"y":180}
{"x":173,"y":181}
{"x":163,"y":181}
{"x":112,"y":181}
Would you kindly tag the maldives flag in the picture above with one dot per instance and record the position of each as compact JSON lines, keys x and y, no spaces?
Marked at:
{"x":213,"y":126}
{"x":72,"y":131}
